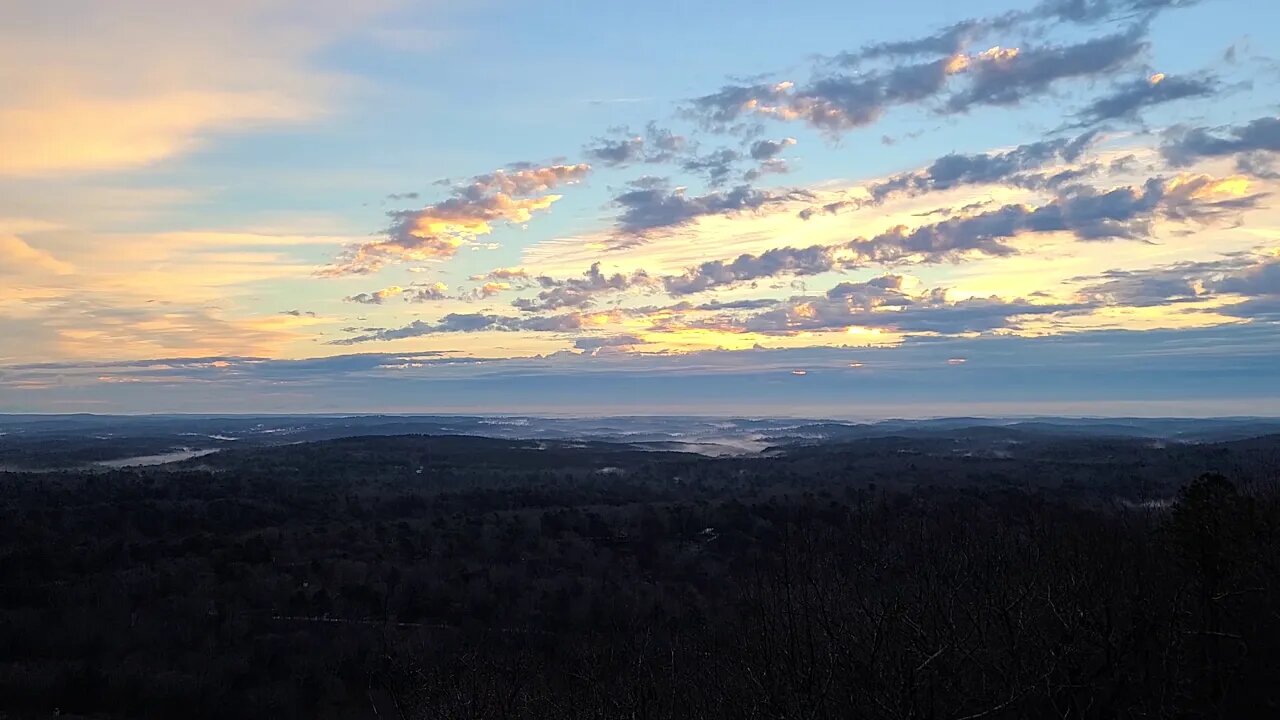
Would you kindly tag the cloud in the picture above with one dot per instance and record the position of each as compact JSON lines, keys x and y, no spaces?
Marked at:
{"x":579,"y":292}
{"x":651,"y":203}
{"x":791,"y":261}
{"x":1055,"y":180}
{"x":376,"y":297}
{"x":874,"y":307}
{"x":957,"y":169}
{"x":656,"y":145}
{"x":516,"y":277}
{"x":835,"y":101}
{"x":131,"y":83}
{"x":77,"y":133}
{"x":769,"y":149}
{"x":1199,"y":372}
{"x":1265,"y":308}
{"x":716,"y":166}
{"x":438,"y":230}
{"x":1259,"y":164}
{"x":525,"y":181}
{"x":1125,"y":288}
{"x":777,"y":166}
{"x":416,"y":293}
{"x":615,"y":152}
{"x":426,"y":292}
{"x":832,"y":103}
{"x":1183,"y":146}
{"x":92,"y":325}
{"x":1126,"y":101}
{"x":488,"y":290}
{"x":952,"y":39}
{"x":766,"y":153}
{"x":1087,"y":213}
{"x":1260,"y":278}
{"x":714,"y":305}
{"x":870,"y":293}
{"x":886,"y":304}
{"x":1091,"y":11}
{"x":1203,"y":197}
{"x":1248,"y":275}
{"x":472,"y":322}
{"x":596,"y":344}
{"x":18,"y":257}
{"x":947,"y":41}
{"x":1011,"y":77}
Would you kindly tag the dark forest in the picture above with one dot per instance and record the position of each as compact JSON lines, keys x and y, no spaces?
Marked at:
{"x":465,"y":577}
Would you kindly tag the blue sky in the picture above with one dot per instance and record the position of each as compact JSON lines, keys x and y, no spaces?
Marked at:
{"x":853,"y":210}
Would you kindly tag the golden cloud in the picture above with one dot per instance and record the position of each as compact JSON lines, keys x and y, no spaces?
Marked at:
{"x":77,"y":133}
{"x":437,"y":231}
{"x":91,"y":86}
{"x":19,"y":257}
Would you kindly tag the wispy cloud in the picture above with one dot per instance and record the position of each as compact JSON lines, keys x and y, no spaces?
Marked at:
{"x":120,"y":86}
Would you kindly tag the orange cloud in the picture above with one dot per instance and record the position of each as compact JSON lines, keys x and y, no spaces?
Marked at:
{"x":90,"y":329}
{"x":503,"y":274}
{"x":1206,"y":187}
{"x":376,"y":297}
{"x":77,"y":133}
{"x":17,"y":256}
{"x":998,"y":54}
{"x":437,"y":231}
{"x":93,"y":86}
{"x":528,"y":181}
{"x":961,"y":62}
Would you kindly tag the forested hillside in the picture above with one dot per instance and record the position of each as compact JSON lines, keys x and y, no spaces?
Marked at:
{"x":461,"y":577}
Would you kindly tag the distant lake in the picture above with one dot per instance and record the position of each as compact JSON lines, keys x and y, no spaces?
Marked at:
{"x":161,"y":459}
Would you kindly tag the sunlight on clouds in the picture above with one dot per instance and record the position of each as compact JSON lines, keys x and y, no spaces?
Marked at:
{"x":1048,"y":262}
{"x":102,"y":333}
{"x":983,"y":295}
{"x":191,"y":266}
{"x":960,"y":62}
{"x":1201,"y":187}
{"x":438,"y":230}
{"x":683,"y":339}
{"x":281,"y":322}
{"x":91,"y":86}
{"x":153,"y":228}
{"x":198,"y":277}
{"x":457,"y":229}
{"x":18,"y":257}
{"x":169,"y":241}
{"x":1197,"y":314}
{"x":95,"y":134}
{"x":727,"y":236}
{"x":484,"y":344}
{"x":133,"y":294}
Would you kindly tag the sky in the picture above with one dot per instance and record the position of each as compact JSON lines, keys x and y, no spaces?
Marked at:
{"x":831,"y":209}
